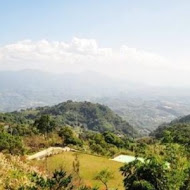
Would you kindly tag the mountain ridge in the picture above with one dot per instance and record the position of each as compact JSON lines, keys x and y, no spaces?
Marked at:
{"x":175,"y":124}
{"x":95,"y":117}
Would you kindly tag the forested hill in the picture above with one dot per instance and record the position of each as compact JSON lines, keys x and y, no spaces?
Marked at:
{"x":185,"y":119}
{"x":180,"y":126}
{"x":87,"y":115}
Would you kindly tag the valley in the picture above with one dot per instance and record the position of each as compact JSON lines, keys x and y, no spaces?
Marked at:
{"x":143,"y":106}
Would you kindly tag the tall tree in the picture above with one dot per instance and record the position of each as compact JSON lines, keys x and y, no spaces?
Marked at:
{"x":44,"y":124}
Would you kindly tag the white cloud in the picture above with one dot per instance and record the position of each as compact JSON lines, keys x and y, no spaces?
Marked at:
{"x":85,"y":54}
{"x":148,"y":59}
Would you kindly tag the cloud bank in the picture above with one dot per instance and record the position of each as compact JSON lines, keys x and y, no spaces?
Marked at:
{"x":85,"y":54}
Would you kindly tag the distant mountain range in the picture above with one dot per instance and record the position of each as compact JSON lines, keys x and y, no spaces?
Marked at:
{"x":143,"y":106}
{"x":29,"y":88}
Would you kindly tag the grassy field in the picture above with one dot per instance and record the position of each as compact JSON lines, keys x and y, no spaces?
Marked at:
{"x":89,"y":167}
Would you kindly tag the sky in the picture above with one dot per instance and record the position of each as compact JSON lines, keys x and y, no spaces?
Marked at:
{"x":141,"y":40}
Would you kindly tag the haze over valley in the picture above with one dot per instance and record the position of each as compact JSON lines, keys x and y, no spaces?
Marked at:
{"x":144,"y":106}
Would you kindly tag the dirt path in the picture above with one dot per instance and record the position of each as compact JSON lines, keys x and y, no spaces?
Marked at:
{"x":48,"y":152}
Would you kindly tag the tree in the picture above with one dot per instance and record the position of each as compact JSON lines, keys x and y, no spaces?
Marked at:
{"x":44,"y":124}
{"x":140,"y":149}
{"x":167,"y":137}
{"x":150,"y":175}
{"x":111,"y":138}
{"x":104,"y":176}
{"x":156,"y":173}
{"x":68,"y":136}
{"x":11,"y":144}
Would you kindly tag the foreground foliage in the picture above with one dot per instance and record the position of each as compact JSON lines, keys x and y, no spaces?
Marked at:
{"x":166,"y":163}
{"x":15,"y":172}
{"x":154,"y":174}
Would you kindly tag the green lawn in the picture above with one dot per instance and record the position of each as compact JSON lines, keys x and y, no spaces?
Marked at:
{"x":89,"y":167}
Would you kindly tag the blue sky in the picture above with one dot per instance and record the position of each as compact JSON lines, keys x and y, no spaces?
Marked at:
{"x":139,"y":23}
{"x":161,"y":27}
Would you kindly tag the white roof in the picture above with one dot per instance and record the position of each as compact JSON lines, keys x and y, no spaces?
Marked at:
{"x":126,"y":158}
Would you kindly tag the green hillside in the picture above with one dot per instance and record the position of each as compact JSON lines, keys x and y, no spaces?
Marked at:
{"x":179,"y":129}
{"x":87,"y":115}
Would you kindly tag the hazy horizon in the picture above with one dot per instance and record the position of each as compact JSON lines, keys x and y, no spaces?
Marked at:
{"x":140,"y":41}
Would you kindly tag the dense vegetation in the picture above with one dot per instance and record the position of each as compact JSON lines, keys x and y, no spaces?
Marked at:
{"x":179,"y":129}
{"x":90,"y":127}
{"x":94,"y":129}
{"x":86,"y":115}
